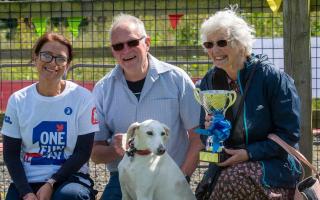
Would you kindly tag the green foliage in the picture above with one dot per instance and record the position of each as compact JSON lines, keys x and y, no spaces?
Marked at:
{"x":266,"y":24}
{"x":316,"y":104}
{"x":93,"y":32}
{"x":315,"y":23}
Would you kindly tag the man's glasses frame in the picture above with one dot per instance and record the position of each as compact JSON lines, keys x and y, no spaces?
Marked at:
{"x":131,"y":43}
{"x":219,"y":43}
{"x":47,"y":58}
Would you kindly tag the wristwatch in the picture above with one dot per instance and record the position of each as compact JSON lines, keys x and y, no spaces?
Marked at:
{"x":51,"y":181}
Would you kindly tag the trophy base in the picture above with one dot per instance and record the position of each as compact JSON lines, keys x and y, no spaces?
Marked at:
{"x":209,"y":156}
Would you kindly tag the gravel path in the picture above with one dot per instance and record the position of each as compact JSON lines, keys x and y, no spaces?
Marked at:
{"x":98,"y":174}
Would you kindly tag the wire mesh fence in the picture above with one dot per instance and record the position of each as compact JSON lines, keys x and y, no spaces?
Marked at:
{"x":174,"y":30}
{"x":315,"y":61}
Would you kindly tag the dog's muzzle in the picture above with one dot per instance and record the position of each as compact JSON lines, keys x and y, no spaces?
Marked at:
{"x":161,"y":150}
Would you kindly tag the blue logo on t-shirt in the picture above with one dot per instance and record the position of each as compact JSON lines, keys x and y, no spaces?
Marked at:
{"x":7,"y":119}
{"x":68,"y":111}
{"x":51,"y":137}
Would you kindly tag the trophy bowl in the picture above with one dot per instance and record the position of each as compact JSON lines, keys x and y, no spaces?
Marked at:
{"x":216,"y":103}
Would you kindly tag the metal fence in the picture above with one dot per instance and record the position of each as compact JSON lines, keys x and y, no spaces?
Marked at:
{"x":172,"y":25}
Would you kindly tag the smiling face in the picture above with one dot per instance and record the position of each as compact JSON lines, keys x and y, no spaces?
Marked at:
{"x":228,"y":57}
{"x":132,"y":59}
{"x":54,"y":70}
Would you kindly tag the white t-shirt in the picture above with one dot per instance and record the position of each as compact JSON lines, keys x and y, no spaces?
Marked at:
{"x":49,"y":127}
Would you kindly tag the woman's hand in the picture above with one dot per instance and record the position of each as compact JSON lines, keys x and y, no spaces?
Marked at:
{"x":45,"y":192}
{"x":237,"y":156}
{"x":208,"y":121}
{"x":30,"y":196}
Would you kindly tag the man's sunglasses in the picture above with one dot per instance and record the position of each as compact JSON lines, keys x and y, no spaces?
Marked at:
{"x":219,"y":43}
{"x":131,"y":43}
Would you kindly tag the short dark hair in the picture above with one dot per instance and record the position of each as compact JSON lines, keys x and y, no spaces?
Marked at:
{"x":49,"y":37}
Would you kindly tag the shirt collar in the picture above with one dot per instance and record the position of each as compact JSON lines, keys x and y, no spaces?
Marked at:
{"x":156,"y":67}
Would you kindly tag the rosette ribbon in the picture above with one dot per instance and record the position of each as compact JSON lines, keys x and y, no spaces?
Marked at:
{"x":219,"y":131}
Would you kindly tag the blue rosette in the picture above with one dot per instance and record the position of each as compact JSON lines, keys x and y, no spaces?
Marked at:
{"x":219,"y":131}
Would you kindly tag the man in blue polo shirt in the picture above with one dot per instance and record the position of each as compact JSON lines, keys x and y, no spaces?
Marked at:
{"x":141,"y":87}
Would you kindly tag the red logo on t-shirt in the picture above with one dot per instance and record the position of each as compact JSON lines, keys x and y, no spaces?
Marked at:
{"x":94,"y":117}
{"x":60,"y":127}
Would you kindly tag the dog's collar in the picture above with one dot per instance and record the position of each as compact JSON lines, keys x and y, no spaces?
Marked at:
{"x":143,"y":152}
{"x":132,"y":150}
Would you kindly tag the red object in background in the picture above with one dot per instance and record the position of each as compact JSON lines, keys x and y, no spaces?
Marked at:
{"x":174,"y":20}
{"x":9,"y":87}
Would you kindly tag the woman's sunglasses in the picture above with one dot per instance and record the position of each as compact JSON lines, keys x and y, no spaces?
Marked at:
{"x":131,"y":43}
{"x":219,"y":43}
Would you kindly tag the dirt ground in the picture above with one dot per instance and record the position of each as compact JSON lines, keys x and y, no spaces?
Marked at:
{"x":98,"y":174}
{"x":101,"y":176}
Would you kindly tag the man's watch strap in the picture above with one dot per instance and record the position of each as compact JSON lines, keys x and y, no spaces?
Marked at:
{"x":51,"y":181}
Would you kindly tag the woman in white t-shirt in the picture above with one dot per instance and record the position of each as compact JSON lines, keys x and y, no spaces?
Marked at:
{"x":48,"y":130}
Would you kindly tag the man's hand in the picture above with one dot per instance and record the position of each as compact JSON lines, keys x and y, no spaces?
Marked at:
{"x":45,"y":192}
{"x":237,"y":156}
{"x":103,"y":152}
{"x":192,"y":157}
{"x":117,"y":144}
{"x":30,"y":196}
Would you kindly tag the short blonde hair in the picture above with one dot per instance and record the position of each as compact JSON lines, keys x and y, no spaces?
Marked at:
{"x":237,"y":28}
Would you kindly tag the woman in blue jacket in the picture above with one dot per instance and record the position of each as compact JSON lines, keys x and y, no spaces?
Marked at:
{"x":257,"y":168}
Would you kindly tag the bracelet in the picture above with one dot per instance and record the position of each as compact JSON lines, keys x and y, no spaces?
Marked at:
{"x":51,"y":182}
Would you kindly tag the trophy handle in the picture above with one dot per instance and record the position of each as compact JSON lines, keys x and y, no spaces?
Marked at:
{"x":196,"y":93}
{"x":232,"y":96}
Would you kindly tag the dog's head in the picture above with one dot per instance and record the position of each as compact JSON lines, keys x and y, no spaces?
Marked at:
{"x":150,"y":134}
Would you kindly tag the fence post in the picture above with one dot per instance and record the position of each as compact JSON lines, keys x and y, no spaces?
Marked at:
{"x":297,"y":63}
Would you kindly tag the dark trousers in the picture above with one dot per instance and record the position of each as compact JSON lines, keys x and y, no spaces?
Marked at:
{"x":113,"y":188}
{"x":68,"y":190}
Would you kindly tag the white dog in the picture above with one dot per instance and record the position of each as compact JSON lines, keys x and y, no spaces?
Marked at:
{"x":147,"y":172}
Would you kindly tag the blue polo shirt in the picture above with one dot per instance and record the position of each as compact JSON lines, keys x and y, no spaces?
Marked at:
{"x":167,"y":96}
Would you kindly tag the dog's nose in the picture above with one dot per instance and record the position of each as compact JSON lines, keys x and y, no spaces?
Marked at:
{"x":161,"y":150}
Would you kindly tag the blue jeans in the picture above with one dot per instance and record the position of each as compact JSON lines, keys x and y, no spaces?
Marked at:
{"x":113,"y":189}
{"x":68,"y":190}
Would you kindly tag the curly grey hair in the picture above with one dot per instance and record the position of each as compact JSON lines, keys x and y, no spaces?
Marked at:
{"x":239,"y":31}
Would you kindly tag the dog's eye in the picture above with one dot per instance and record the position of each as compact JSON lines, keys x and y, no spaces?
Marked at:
{"x":149,"y":132}
{"x":163,"y":133}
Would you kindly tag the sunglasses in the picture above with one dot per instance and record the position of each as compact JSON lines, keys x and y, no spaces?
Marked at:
{"x":219,"y":43}
{"x":131,"y":43}
{"x":47,"y":58}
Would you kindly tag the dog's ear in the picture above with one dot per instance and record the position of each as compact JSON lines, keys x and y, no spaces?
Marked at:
{"x":166,"y":130}
{"x":131,"y":130}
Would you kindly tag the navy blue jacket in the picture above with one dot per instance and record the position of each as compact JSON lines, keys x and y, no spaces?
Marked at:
{"x":272,"y":105}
